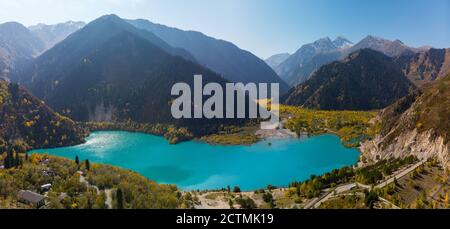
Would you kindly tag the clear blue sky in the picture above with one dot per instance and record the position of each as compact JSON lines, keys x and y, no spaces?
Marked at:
{"x":264,"y":27}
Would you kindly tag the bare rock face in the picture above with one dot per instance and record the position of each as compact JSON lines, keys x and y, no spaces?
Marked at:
{"x":426,"y":66}
{"x":415,"y":125}
{"x":422,"y":145}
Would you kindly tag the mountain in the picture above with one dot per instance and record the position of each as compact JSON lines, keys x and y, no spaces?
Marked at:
{"x":53,"y":34}
{"x":112,"y":71}
{"x":310,"y":57}
{"x":425,"y":66}
{"x":18,"y":46}
{"x":225,"y":58}
{"x":25,"y":118}
{"x":342,"y":43}
{"x":99,"y":31}
{"x":418,"y":124}
{"x":365,"y":80}
{"x":389,"y":48}
{"x":276,"y":60}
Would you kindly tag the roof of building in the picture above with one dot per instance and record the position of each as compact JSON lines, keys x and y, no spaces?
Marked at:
{"x":30,"y":196}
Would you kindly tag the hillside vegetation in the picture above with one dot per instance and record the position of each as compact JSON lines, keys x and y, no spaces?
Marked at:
{"x":365,"y":80}
{"x":27,"y":121}
{"x":170,"y":132}
{"x":351,"y":126}
{"x":69,"y":191}
{"x":429,"y":111}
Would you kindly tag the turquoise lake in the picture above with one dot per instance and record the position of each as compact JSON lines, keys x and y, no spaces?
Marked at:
{"x":195,"y":165}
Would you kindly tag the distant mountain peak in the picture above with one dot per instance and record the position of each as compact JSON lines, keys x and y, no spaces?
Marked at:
{"x":275,"y":60}
{"x":372,"y":37}
{"x":365,"y":80}
{"x":363,"y":53}
{"x":223,"y":57}
{"x":399,"y":41}
{"x":323,"y":41}
{"x":12,"y":26}
{"x":342,"y":42}
{"x":322,"y":45}
{"x":109,"y":17}
{"x":55,"y":33}
{"x":20,"y":42}
{"x":388,"y":47}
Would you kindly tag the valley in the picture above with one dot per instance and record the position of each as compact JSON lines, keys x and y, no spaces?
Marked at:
{"x":86,"y":122}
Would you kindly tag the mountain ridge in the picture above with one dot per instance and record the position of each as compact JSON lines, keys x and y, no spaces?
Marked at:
{"x":418,"y":125}
{"x":310,"y":57}
{"x":425,"y":66}
{"x":299,"y":66}
{"x":223,"y":57}
{"x":53,"y":34}
{"x":18,"y":46}
{"x":365,"y":80}
{"x":111,"y":73}
{"x":275,"y":60}
{"x":29,"y":122}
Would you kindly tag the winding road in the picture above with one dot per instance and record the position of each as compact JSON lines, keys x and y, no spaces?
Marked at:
{"x":315,"y":203}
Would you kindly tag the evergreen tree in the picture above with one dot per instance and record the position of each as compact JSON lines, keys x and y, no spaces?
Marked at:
{"x":9,"y":160}
{"x":88,"y":165}
{"x":230,"y":202}
{"x":119,"y":196}
{"x":17,"y":160}
{"x":77,"y":160}
{"x":370,"y":197}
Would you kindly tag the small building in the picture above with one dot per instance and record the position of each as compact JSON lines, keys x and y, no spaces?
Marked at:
{"x":32,"y":198}
{"x":46,"y":187}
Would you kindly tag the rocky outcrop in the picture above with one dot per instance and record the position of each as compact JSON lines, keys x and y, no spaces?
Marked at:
{"x":415,"y":125}
{"x":426,"y":66}
{"x":423,"y":145}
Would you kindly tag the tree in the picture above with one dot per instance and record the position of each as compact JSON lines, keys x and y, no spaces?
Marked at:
{"x":17,"y":160}
{"x":119,"y":197}
{"x":370,"y":198}
{"x":446,"y":199}
{"x":268,"y":198}
{"x":396,"y":182}
{"x":230,"y":202}
{"x":77,"y":160}
{"x":228,"y":189}
{"x":9,"y":160}
{"x":246,"y":203}
{"x":271,"y":187}
{"x":88,"y":165}
{"x":236,"y":189}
